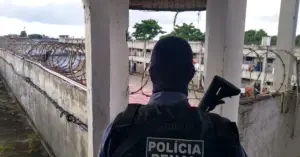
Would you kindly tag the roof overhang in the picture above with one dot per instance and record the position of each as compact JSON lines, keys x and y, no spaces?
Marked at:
{"x":168,"y":5}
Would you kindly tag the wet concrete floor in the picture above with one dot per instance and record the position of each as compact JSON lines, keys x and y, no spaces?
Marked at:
{"x":17,"y":138}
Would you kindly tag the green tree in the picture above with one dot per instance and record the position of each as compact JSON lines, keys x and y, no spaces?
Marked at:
{"x":147,"y":30}
{"x":188,"y":32}
{"x":128,"y":36}
{"x":45,"y":37}
{"x":254,"y":37}
{"x":259,"y":34}
{"x":249,"y":36}
{"x":23,"y":34}
{"x":273,"y":40}
{"x":297,"y":42}
{"x":35,"y":36}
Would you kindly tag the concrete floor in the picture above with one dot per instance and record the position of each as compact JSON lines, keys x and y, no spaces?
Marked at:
{"x":17,"y":138}
{"x":135,"y":83}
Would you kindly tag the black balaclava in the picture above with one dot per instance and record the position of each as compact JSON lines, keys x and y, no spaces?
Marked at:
{"x":171,"y":66}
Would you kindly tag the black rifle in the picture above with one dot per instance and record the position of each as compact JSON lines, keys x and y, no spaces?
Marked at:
{"x":218,"y":89}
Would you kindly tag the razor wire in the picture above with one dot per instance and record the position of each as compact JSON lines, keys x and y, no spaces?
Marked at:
{"x":274,"y":53}
{"x":67,"y":59}
{"x":71,"y":118}
{"x":259,"y":53}
{"x":144,"y":78}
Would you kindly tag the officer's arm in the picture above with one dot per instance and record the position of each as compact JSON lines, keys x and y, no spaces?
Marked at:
{"x":241,"y":152}
{"x":105,"y":142}
{"x":106,"y":139}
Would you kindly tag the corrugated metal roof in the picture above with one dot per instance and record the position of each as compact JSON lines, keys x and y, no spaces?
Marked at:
{"x":168,"y":5}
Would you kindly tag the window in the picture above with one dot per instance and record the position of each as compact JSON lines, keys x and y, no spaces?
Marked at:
{"x":270,"y":60}
{"x":248,"y":59}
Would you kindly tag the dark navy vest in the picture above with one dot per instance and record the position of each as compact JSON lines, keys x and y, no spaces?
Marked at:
{"x":172,"y":131}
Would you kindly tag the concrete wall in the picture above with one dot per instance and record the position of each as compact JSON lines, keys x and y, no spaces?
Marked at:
{"x":66,"y":139}
{"x":2,"y":41}
{"x":266,"y":128}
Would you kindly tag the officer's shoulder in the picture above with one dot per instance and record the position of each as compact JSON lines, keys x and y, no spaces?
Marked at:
{"x":128,"y":114}
{"x":218,"y":117}
{"x":223,"y":124}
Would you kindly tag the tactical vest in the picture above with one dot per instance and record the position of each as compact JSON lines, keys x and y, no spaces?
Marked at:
{"x":172,"y":131}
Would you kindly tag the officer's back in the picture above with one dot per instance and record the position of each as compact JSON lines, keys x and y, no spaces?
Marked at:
{"x":168,"y":126}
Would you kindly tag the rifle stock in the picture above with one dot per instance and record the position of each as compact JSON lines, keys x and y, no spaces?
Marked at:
{"x":217,"y":90}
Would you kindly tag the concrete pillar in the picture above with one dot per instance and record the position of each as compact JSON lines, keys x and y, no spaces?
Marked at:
{"x":224,"y":44}
{"x":106,"y":22}
{"x":119,"y":23}
{"x":286,"y":41}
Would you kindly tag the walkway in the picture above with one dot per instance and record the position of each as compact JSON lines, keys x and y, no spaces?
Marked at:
{"x":139,"y":97}
{"x":17,"y":138}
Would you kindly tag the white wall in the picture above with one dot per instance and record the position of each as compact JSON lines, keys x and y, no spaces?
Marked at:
{"x":266,"y":127}
{"x":66,"y":139}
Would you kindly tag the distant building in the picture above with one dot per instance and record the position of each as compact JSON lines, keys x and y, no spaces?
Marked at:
{"x":2,"y":41}
{"x":12,"y":36}
{"x":71,"y":40}
{"x":63,"y":36}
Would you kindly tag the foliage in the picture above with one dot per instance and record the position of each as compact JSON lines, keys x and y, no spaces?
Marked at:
{"x":35,"y":36}
{"x":254,"y":37}
{"x":23,"y":34}
{"x":33,"y":147}
{"x":297,"y":42}
{"x":147,"y":30}
{"x":6,"y":147}
{"x":188,"y":32}
{"x":259,"y":34}
{"x":128,"y":36}
{"x":273,"y":40}
{"x":249,"y":36}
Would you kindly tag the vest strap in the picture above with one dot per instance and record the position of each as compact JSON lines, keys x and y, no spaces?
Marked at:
{"x":127,"y":117}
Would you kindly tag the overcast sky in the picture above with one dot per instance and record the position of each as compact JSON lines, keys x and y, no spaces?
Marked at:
{"x":55,"y":17}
